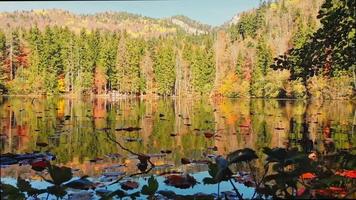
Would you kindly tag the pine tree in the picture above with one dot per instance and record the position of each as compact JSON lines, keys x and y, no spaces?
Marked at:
{"x":264,"y":60}
{"x":164,"y":68}
{"x":2,"y":62}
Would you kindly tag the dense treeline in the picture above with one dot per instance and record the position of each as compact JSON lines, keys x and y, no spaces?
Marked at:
{"x":235,"y":62}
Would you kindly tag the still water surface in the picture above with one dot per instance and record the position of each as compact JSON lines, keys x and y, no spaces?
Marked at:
{"x":75,"y":131}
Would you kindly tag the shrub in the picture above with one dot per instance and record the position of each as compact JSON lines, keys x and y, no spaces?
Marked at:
{"x":234,"y":87}
{"x":330,"y":88}
{"x":298,"y":89}
{"x":276,"y":83}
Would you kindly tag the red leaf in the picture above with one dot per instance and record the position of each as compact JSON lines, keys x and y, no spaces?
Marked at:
{"x":308,"y":175}
{"x":347,"y":173}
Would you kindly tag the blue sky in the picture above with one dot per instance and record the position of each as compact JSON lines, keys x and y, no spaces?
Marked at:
{"x":213,"y":12}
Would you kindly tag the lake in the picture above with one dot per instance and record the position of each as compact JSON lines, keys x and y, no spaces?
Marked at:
{"x":77,"y":132}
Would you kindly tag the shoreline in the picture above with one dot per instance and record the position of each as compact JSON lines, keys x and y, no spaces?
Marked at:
{"x":121,"y":97}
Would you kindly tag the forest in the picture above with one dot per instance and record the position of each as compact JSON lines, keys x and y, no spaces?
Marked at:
{"x":282,"y":49}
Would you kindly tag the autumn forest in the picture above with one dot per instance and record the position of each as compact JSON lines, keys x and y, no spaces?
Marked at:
{"x":283,"y":49}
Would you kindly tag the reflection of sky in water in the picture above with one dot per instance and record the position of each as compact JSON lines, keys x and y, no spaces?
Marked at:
{"x":239,"y":123}
{"x":198,"y":188}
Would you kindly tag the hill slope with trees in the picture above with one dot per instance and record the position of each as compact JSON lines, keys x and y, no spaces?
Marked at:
{"x":284,"y":49}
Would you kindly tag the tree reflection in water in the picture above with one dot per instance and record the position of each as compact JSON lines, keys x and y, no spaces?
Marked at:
{"x":167,"y":130}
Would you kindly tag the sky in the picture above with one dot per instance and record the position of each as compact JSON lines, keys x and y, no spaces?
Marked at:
{"x":212,"y":12}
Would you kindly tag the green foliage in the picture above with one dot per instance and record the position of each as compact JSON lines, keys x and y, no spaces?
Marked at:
{"x":108,"y":59}
{"x":203,"y":70}
{"x":164,"y":68}
{"x":59,"y":175}
{"x":264,"y":60}
{"x":276,"y":83}
{"x":330,"y":49}
{"x":330,"y":88}
{"x":2,"y":61}
{"x":248,"y":24}
{"x":151,"y":188}
{"x":298,"y":89}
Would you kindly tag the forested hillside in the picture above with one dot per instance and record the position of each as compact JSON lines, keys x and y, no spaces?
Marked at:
{"x":286,"y":48}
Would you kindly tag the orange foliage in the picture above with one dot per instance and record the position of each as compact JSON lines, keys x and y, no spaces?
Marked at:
{"x":308,"y":175}
{"x":99,"y":81}
{"x":347,"y":173}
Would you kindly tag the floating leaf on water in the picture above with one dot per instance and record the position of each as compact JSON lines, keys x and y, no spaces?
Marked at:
{"x":185,"y":161}
{"x":209,"y":134}
{"x":128,"y":129}
{"x":96,"y":160}
{"x":156,"y":155}
{"x":129,"y":185}
{"x":115,"y":166}
{"x":41,"y":144}
{"x":113,"y":155}
{"x":133,"y":139}
{"x":81,"y":184}
{"x":113,"y":173}
{"x":180,"y":181}
{"x":40,"y":165}
{"x":166,"y":151}
{"x":102,"y":192}
{"x":163,"y":166}
{"x":170,"y":172}
{"x":82,"y":195}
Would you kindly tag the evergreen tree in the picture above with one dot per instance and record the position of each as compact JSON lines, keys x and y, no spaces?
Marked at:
{"x":264,"y":60}
{"x":164,"y":65}
{"x":2,"y":62}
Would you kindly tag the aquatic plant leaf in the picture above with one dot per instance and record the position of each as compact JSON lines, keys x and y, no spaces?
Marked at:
{"x":39,"y":165}
{"x":25,"y":186}
{"x":129,"y":185}
{"x":151,"y":188}
{"x":60,"y":175}
{"x":180,"y":181}
{"x":11,"y":192}
{"x":41,"y":144}
{"x":57,"y":191}
{"x":81,"y":184}
{"x":242,"y":155}
{"x":275,"y":154}
{"x":308,"y":175}
{"x":347,"y":173}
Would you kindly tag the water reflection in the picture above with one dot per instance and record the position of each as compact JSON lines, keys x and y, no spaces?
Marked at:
{"x":193,"y":128}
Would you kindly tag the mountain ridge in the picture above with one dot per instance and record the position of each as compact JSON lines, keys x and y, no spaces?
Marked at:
{"x":135,"y":24}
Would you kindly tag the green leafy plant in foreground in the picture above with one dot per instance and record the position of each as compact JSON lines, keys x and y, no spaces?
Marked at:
{"x":288,"y":173}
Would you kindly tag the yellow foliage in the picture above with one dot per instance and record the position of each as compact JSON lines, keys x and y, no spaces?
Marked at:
{"x":60,"y":106}
{"x":274,"y":6}
{"x":232,"y":86}
{"x":61,"y":85}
